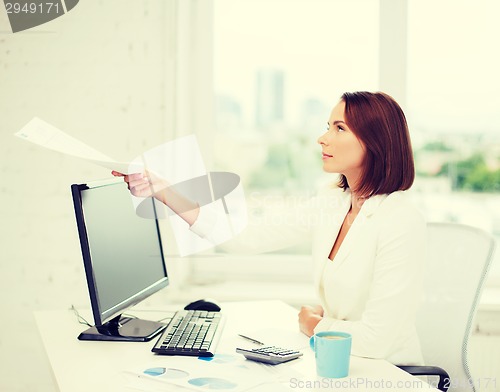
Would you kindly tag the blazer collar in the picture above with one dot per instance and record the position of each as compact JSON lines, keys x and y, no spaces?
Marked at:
{"x":371,"y":205}
{"x":330,"y":233}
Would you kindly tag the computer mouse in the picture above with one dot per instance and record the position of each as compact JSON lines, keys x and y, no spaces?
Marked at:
{"x":203,"y":304}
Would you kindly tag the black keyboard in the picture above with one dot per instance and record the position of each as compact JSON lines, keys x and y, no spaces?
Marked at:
{"x":191,"y":332}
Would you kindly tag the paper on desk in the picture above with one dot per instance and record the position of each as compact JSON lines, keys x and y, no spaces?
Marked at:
{"x":223,"y":371}
{"x":46,"y":135}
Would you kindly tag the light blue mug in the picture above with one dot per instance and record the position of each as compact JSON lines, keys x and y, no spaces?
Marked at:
{"x":332,"y":351}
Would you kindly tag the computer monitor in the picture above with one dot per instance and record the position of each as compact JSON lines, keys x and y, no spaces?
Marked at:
{"x":123,"y":260}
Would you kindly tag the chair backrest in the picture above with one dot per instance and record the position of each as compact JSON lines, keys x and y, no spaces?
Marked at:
{"x":458,"y":261}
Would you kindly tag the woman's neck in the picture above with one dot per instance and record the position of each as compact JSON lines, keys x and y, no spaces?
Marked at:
{"x":356,"y":203}
{"x":356,"y":200}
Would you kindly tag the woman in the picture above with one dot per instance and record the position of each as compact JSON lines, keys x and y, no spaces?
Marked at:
{"x":369,"y":243}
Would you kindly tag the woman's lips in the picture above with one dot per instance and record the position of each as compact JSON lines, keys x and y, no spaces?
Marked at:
{"x":326,"y":156}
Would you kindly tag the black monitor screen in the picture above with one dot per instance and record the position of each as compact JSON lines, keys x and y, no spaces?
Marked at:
{"x":122,"y":252}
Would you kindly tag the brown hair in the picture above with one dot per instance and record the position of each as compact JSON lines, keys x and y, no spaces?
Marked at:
{"x":380,"y":124}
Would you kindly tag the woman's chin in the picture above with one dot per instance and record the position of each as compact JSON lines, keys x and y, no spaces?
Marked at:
{"x":330,"y":169}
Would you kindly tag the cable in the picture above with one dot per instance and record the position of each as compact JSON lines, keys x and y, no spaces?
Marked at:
{"x":80,"y":319}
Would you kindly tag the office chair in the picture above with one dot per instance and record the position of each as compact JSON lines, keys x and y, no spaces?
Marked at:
{"x":458,"y":260}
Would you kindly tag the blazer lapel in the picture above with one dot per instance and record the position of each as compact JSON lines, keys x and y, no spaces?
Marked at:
{"x":333,"y":214}
{"x":354,"y":235}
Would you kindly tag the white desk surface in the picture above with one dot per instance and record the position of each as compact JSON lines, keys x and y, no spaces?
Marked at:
{"x":96,"y":366}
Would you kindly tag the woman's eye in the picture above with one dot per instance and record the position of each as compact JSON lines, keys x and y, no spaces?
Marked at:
{"x":340,"y":129}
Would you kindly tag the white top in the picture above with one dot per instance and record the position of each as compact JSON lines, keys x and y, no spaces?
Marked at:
{"x":373,"y":286}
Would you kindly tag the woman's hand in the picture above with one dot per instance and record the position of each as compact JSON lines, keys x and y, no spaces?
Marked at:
{"x":145,"y":184}
{"x":309,"y":317}
{"x":148,"y":184}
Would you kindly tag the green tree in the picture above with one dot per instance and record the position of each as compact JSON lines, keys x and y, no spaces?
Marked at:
{"x":473,"y":174}
{"x":483,"y":180}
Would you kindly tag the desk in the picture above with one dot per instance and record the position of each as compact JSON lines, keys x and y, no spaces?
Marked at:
{"x":93,"y":366}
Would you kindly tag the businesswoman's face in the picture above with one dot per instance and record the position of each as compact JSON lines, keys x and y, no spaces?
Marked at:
{"x":342,"y":151}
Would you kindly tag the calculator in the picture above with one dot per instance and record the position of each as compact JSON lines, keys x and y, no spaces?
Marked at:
{"x":270,"y":354}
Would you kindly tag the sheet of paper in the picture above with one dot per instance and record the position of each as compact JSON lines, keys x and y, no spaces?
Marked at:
{"x":228,"y":371}
{"x":46,"y":135}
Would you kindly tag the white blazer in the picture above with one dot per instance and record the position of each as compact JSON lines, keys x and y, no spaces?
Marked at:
{"x":373,"y":286}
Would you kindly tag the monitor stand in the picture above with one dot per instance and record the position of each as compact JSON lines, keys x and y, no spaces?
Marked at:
{"x":124,"y":329}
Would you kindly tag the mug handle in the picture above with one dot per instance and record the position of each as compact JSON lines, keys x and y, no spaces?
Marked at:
{"x":312,"y":342}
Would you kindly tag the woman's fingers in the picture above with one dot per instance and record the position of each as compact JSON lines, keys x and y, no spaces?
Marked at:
{"x":134,"y":177}
{"x":141,"y":187}
{"x":141,"y":184}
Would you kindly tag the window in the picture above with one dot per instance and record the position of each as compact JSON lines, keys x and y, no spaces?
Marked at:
{"x":280,"y":66}
{"x":453,"y":101}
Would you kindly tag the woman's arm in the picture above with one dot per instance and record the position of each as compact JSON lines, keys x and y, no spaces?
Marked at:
{"x":280,"y":229}
{"x":148,"y":184}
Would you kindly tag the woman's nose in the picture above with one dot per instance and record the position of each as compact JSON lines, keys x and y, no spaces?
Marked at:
{"x":322,"y":140}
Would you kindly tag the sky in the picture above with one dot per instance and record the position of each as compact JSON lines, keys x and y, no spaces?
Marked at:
{"x":326,"y":47}
{"x":304,"y":38}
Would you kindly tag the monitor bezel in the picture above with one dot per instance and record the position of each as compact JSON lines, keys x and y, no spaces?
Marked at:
{"x":103,"y":316}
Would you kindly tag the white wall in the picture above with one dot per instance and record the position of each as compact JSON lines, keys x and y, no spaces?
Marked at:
{"x":102,"y":73}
